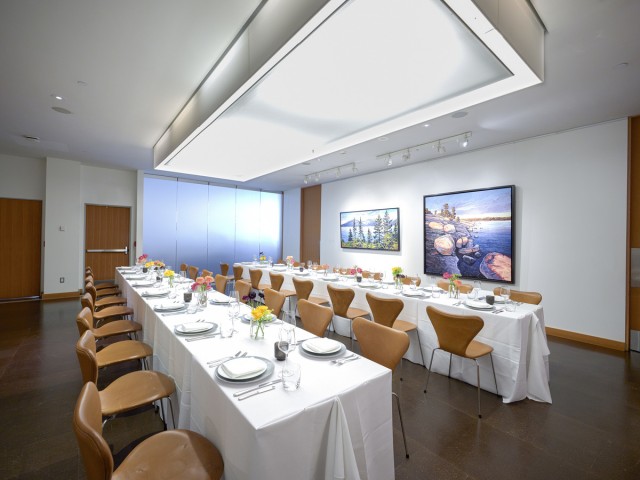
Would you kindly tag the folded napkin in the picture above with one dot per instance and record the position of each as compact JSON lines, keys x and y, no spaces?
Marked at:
{"x":169,"y":306}
{"x":154,"y":291}
{"x":477,"y":303}
{"x":321,"y":345}
{"x":218,"y":297}
{"x":194,"y":326}
{"x":238,"y":368}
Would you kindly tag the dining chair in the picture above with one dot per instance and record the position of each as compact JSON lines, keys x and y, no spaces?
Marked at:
{"x":274,"y":300}
{"x":385,"y":311}
{"x":304,"y":289}
{"x":169,"y":454}
{"x":244,"y":289}
{"x":127,"y":392}
{"x":101,"y":286}
{"x":123,"y":351}
{"x":464,"y":288}
{"x":533,"y":298}
{"x":104,"y":301}
{"x":341,"y":299}
{"x":84,"y":322}
{"x":102,"y":292}
{"x":207,"y":273}
{"x":238,"y":271}
{"x":456,"y":335}
{"x":192,"y":272}
{"x":407,"y":280}
{"x":255,"y":274}
{"x":386,"y":347}
{"x":221,"y":283}
{"x":114,"y":312}
{"x":315,"y":318}
{"x":277,"y":279}
{"x":231,"y":278}
{"x":89,"y":272}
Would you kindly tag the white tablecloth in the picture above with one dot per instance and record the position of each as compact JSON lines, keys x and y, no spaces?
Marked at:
{"x":520,"y":351}
{"x":337,"y":425}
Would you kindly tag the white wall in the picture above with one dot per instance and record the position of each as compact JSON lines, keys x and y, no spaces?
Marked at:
{"x":22,"y":177}
{"x":291,"y":223}
{"x":571,"y":207}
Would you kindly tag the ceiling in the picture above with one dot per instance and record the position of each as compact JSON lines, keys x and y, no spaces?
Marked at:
{"x":125,"y":69}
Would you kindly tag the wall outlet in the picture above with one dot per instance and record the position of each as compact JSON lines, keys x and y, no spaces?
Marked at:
{"x":61,"y":279}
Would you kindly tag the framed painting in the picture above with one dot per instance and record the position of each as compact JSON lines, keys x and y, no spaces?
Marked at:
{"x":371,"y":229}
{"x":471,"y":233}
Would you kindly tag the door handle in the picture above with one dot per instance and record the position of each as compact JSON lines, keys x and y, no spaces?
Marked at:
{"x":124,"y":250}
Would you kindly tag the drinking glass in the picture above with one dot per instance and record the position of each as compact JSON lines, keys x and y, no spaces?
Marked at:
{"x":291,"y":378}
{"x":287,"y":344}
{"x":414,"y":282}
{"x":381,"y":275}
{"x":227,"y":324}
{"x":234,"y":307}
{"x":505,"y":292}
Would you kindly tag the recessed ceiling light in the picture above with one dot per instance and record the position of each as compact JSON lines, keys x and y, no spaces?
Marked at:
{"x":61,"y":110}
{"x":57,"y":97}
{"x":426,"y":125}
{"x":459,"y":114}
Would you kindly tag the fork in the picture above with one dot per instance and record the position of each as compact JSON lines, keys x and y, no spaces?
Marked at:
{"x":343,"y":359}
{"x":215,"y":363}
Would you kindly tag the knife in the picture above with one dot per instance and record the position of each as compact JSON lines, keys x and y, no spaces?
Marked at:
{"x":257,"y":392}
{"x":262,"y":385}
{"x":203,"y":337}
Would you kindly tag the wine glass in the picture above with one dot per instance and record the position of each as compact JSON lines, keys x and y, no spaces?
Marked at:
{"x":505,"y":292}
{"x":381,"y":277}
{"x":287,"y":344}
{"x":414,"y":282}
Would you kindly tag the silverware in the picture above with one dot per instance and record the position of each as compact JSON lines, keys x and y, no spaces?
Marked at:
{"x":202,"y":337}
{"x":499,"y":310}
{"x":262,"y":385}
{"x":343,"y":359}
{"x":339,"y":364}
{"x":220,"y":362}
{"x":257,"y":392}
{"x":222,"y":359}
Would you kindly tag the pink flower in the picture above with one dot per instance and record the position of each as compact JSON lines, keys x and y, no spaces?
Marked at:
{"x":200,"y":281}
{"x":208,"y":279}
{"x":446,"y":275}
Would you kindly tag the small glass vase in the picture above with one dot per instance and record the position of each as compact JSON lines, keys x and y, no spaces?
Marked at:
{"x":256,"y":331}
{"x":454,"y":292}
{"x":398,"y":283}
{"x":201,"y":296}
{"x":170,"y":282}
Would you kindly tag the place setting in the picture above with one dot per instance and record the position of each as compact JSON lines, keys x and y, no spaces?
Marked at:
{"x":155,"y":293}
{"x":172,"y":306}
{"x":199,"y":327}
{"x":320,"y":348}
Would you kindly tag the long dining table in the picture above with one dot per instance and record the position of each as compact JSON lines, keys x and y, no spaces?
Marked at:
{"x":338,"y":424}
{"x":520,"y":350}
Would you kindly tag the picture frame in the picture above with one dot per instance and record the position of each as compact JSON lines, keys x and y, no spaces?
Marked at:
{"x":471,"y":233}
{"x":377,"y":229}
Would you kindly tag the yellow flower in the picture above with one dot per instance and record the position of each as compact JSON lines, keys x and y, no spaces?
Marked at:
{"x":150,"y":264}
{"x":260,"y":313}
{"x":169,"y":273}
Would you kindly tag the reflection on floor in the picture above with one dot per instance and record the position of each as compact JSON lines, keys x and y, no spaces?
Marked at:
{"x":592,"y":430}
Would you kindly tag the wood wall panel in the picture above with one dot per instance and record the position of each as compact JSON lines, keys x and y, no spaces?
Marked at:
{"x":310,"y":208}
{"x":106,"y":228}
{"x":633,"y":302}
{"x":20,"y":247}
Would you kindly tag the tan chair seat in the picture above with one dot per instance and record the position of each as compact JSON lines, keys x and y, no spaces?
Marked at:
{"x":107,"y":292}
{"x":117,"y":327}
{"x":318,"y":300}
{"x":134,"y":390}
{"x":112,"y":312}
{"x":356,"y":312}
{"x":477,"y":349}
{"x":404,"y":326}
{"x":123,"y":351}
{"x":172,"y":454}
{"x":110,"y":302}
{"x":102,"y":286}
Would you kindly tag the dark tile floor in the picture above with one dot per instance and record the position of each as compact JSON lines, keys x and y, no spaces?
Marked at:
{"x":592,"y":430}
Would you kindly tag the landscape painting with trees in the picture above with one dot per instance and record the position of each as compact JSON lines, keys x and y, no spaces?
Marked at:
{"x":371,"y":229}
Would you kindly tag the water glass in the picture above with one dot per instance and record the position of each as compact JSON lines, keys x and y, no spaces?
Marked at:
{"x":291,"y":376}
{"x":226,"y":324}
{"x":510,"y":305}
{"x":505,"y":293}
{"x":414,"y":282}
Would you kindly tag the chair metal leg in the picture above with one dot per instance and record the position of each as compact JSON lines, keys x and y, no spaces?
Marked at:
{"x":173,"y":418}
{"x":164,"y":418}
{"x":494,"y":375}
{"x":450,"y":355}
{"x":404,"y":437}
{"x":351,"y":332}
{"x":429,"y":369}
{"x":420,"y":345}
{"x":478,"y":380}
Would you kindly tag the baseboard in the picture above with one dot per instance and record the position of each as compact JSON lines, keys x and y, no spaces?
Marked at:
{"x":588,"y":339}
{"x":61,"y":295}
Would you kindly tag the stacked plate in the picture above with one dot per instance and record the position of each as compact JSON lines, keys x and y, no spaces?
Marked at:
{"x":413,"y":293}
{"x":155,"y":293}
{"x":195,"y":328}
{"x":143,"y":283}
{"x":478,"y":304}
{"x":170,"y":307}
{"x":322,"y":348}
{"x":246,"y":318}
{"x":244,"y":370}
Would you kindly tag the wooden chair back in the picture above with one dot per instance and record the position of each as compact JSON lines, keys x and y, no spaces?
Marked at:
{"x":533,"y":298}
{"x":255,"y":274}
{"x":315,"y":318}
{"x":303,"y":288}
{"x":193,"y":272}
{"x":454,"y":332}
{"x":243,"y":288}
{"x":379,"y":343}
{"x":86,"y":352}
{"x":464,"y":288}
{"x":384,"y":310}
{"x":224,"y":269}
{"x":84,"y":321}
{"x":237,"y":272}
{"x":277,"y":280}
{"x":274,"y":300}
{"x":341,"y":299}
{"x":221,"y":283}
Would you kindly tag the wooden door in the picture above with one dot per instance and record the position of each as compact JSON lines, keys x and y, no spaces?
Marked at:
{"x":107,"y":234}
{"x":20,"y":247}
{"x":310,"y":224}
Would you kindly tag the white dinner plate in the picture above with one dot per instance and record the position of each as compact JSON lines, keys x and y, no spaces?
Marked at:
{"x":333,"y":346}
{"x":322,"y":356}
{"x":267,"y":372}
{"x":478,"y":305}
{"x":146,"y":283}
{"x":413,"y":293}
{"x":169,"y":307}
{"x":302,"y":274}
{"x":195,"y":328}
{"x":153,"y":293}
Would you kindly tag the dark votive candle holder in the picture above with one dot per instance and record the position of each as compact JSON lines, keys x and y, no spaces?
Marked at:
{"x":490,"y":299}
{"x":187,"y":297}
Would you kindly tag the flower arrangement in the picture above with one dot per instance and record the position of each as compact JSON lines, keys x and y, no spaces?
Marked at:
{"x":355,"y":271}
{"x":143,"y":258}
{"x":251,"y":299}
{"x":454,"y":283}
{"x":260,"y":315}
{"x":202,"y":284}
{"x":262,"y":257}
{"x":396,"y":272}
{"x":169,"y":274}
{"x":156,"y":264}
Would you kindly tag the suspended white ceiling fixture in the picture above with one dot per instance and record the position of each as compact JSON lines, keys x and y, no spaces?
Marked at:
{"x":358,"y":70}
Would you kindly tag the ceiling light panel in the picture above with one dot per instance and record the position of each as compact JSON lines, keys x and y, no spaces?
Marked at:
{"x":372,"y":67}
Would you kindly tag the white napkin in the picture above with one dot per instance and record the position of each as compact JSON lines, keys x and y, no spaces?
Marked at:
{"x":194,"y":326}
{"x":320,"y":345}
{"x":169,"y":306}
{"x":243,"y":367}
{"x":341,"y":460}
{"x":477,"y":303}
{"x":218,"y":297}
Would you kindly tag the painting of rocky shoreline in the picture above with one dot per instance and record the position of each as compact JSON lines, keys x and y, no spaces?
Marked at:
{"x":470,"y":233}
